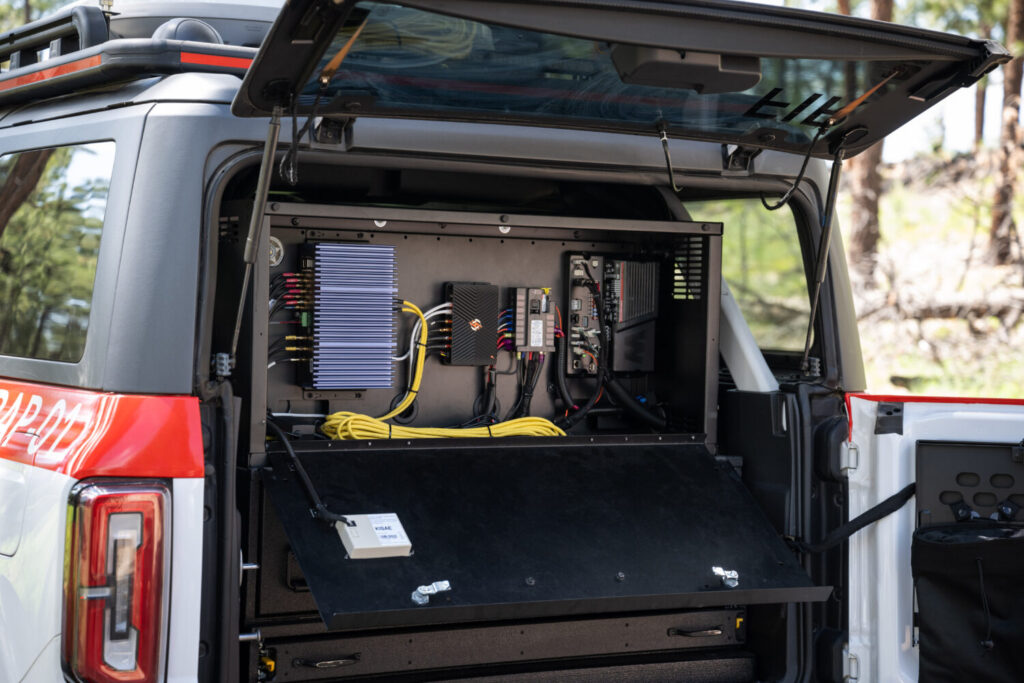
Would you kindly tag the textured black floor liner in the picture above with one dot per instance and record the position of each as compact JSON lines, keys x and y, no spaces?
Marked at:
{"x":523,"y":532}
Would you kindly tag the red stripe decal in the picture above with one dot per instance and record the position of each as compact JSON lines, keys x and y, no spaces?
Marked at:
{"x":52,"y":72}
{"x":907,"y":398}
{"x":215,"y":60}
{"x":90,"y":433}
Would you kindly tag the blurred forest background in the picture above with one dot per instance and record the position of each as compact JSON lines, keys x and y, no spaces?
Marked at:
{"x":932,"y":225}
{"x":932,"y":221}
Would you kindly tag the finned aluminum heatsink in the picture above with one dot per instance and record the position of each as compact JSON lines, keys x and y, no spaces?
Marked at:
{"x":354,"y":316}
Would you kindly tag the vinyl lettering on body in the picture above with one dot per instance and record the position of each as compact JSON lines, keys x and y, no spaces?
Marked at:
{"x":86,"y":433}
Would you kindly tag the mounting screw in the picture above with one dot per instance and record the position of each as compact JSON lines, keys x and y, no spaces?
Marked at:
{"x":504,"y":229}
{"x":530,"y":581}
{"x":620,"y":577}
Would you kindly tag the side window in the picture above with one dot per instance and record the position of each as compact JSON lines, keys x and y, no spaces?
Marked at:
{"x":52,"y":203}
{"x":763,"y":264}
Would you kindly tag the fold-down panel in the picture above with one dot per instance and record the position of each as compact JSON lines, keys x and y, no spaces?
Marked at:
{"x":526,"y":531}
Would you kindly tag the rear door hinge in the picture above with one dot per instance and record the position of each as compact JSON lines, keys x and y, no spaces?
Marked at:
{"x":849,"y":457}
{"x":851,"y":665}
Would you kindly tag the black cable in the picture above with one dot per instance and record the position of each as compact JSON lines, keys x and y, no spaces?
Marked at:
{"x":288,"y":169}
{"x":561,"y":363}
{"x":572,"y":419}
{"x":533,"y":374}
{"x":524,"y":369}
{"x":663,"y":129}
{"x":513,"y":367}
{"x":625,"y":400}
{"x":486,"y":406}
{"x":319,"y":510}
{"x":799,"y":176}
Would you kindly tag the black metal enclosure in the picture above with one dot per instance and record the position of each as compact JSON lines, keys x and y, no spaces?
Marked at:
{"x":618,"y":525}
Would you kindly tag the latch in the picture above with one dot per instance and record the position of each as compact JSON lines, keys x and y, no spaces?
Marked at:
{"x":889,"y":418}
{"x":730,"y":577}
{"x":849,"y":457}
{"x":421,"y":596}
{"x":738,"y":160}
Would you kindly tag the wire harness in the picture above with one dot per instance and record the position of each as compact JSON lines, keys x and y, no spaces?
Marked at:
{"x":347,"y":425}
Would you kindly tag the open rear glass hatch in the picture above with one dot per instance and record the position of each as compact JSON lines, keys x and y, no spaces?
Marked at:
{"x":730,"y":72}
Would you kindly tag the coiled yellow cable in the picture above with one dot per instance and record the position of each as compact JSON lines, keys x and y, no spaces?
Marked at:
{"x":356,"y":426}
{"x":346,"y":425}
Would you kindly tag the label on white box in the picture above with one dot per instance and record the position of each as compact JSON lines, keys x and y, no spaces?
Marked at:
{"x":388,"y":529}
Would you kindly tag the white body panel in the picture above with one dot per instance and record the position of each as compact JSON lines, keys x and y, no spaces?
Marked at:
{"x":31,"y":581}
{"x":13,"y":493}
{"x":186,"y":580}
{"x":880,"y":582}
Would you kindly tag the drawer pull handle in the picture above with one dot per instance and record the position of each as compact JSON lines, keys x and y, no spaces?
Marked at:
{"x":326,"y":663}
{"x":703,"y":633}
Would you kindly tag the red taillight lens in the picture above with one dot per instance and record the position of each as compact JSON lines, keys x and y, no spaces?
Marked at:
{"x":115,"y":581}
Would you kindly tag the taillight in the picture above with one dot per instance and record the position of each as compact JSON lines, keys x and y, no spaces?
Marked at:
{"x":116,"y":581}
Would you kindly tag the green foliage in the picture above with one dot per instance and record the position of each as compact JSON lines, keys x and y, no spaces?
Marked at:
{"x":981,"y":18}
{"x":762,"y":262}
{"x":48,"y":256}
{"x":12,"y":14}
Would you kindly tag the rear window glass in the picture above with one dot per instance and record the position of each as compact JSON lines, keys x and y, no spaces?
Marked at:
{"x":764,"y":267}
{"x":404,"y":61}
{"x":52,"y":203}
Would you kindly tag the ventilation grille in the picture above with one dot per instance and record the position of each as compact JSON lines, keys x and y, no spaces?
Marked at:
{"x":688,"y":270}
{"x":354,"y":316}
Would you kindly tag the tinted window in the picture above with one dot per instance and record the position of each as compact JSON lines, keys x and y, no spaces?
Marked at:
{"x":763,"y":264}
{"x":52,"y":203}
{"x":405,"y":61}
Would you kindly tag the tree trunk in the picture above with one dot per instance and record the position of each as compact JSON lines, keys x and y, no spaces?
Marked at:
{"x":1003,"y":229}
{"x":980,"y":90}
{"x":866,"y":190}
{"x":28,"y":11}
{"x":21,"y":182}
{"x":979,"y":112}
{"x":850,"y":70}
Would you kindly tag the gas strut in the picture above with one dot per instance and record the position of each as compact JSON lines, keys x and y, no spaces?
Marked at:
{"x":821,"y":266}
{"x":259,"y":205}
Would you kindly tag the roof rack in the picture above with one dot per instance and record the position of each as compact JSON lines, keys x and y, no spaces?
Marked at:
{"x":71,"y":51}
{"x":67,"y":31}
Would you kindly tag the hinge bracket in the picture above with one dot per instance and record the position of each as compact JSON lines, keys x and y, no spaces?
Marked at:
{"x":851,"y":665}
{"x":849,"y":457}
